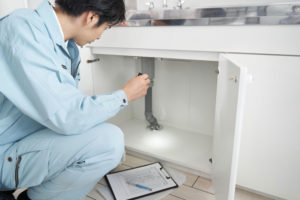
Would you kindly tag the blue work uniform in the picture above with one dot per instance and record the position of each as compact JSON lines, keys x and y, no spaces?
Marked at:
{"x":53,"y":138}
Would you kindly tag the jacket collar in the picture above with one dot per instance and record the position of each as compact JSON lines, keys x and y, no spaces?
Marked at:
{"x":45,"y":11}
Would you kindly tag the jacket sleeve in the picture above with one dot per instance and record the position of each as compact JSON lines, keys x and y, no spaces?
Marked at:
{"x":34,"y":81}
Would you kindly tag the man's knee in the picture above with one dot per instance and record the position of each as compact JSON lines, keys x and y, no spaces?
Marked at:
{"x":114,"y":141}
{"x":101,"y":143}
{"x":91,"y":155}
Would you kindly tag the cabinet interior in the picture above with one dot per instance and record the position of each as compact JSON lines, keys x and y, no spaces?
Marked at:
{"x":184,"y":97}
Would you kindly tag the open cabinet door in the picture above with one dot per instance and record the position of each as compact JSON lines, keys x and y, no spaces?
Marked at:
{"x":231,"y":91}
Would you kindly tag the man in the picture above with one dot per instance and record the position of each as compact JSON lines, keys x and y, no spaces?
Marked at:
{"x":53,"y":139}
{"x":294,"y":16}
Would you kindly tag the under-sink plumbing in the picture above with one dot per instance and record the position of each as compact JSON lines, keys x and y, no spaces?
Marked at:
{"x":148,"y":68}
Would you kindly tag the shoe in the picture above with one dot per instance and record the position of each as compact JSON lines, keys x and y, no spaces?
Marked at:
{"x":7,"y":195}
{"x":23,"y":196}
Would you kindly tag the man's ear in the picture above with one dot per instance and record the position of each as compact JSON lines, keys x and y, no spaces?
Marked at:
{"x":91,"y":18}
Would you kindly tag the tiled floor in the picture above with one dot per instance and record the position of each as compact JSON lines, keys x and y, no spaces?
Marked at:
{"x":194,"y":188}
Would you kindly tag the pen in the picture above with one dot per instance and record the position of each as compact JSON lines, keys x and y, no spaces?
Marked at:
{"x":140,"y":186}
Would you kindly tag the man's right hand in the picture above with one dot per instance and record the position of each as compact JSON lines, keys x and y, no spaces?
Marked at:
{"x":137,"y":87}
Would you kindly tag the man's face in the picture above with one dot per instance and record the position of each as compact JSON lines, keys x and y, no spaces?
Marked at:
{"x":88,"y":34}
{"x":88,"y":29}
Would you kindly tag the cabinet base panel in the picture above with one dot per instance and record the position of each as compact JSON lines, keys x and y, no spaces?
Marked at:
{"x":174,"y":146}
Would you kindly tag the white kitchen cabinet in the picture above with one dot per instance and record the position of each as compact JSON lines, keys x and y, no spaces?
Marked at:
{"x":231,"y":90}
{"x":183,"y":144}
{"x":202,"y":113}
{"x":199,"y":43}
{"x":269,"y":152}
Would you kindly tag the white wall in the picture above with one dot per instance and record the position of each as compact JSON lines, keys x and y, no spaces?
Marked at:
{"x":8,"y":6}
{"x":33,"y":3}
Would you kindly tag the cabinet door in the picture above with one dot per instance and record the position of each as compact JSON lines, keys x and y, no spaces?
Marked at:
{"x":231,"y":90}
{"x":270,"y":143}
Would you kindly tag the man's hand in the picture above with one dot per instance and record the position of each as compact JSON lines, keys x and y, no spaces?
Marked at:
{"x":137,"y":87}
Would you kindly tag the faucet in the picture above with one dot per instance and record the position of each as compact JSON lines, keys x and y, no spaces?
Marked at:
{"x":165,"y":3}
{"x":180,"y":3}
{"x":150,"y":4}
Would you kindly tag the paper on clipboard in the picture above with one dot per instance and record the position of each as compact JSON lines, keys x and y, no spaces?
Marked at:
{"x":151,"y":176}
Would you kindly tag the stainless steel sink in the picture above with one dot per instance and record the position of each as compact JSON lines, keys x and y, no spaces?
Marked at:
{"x":180,"y":14}
{"x":273,"y":14}
{"x":143,"y":14}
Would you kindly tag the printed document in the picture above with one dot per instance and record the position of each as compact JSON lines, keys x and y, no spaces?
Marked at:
{"x":140,"y":181}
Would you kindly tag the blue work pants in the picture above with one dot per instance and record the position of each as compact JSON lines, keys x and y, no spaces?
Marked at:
{"x":61,"y":167}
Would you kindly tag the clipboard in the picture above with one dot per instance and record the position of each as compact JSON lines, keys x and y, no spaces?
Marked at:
{"x":136,"y":182}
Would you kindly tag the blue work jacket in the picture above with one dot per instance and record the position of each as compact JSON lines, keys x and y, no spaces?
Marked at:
{"x":38,"y":80}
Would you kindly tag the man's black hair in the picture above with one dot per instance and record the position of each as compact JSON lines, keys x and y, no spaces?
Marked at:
{"x":295,"y":7}
{"x":109,"y":11}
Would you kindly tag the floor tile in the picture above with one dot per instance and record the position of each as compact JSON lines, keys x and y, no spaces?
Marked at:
{"x":102,"y":181}
{"x":195,"y":187}
{"x":204,"y":184}
{"x":190,"y":178}
{"x":188,"y":193}
{"x":171,"y":197}
{"x":120,"y":168}
{"x":95,"y":194}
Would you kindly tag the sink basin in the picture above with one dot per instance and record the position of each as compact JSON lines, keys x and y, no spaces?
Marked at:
{"x":181,"y":14}
{"x":144,"y":14}
{"x":272,"y":14}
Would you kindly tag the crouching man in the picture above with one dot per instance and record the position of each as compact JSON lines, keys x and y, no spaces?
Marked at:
{"x":54,"y":139}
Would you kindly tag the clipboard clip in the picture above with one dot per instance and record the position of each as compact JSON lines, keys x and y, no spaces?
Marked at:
{"x":165,"y":173}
